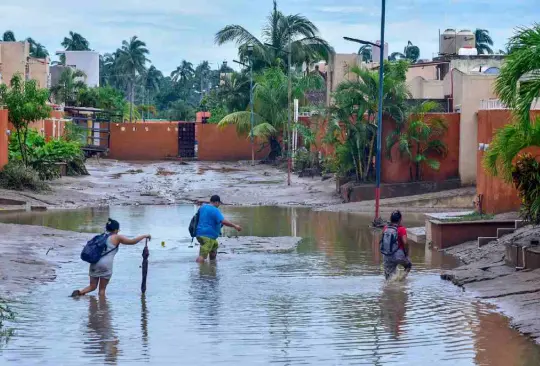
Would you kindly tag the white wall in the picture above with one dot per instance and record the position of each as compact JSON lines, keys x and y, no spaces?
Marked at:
{"x":86,"y":61}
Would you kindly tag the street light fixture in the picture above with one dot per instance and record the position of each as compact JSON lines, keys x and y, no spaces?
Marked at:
{"x":377,"y":221}
{"x":251,"y":116}
{"x":289,"y":92}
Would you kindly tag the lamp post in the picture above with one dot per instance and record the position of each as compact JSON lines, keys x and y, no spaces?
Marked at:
{"x":250,"y":53}
{"x":289,"y":93}
{"x":380,"y":112}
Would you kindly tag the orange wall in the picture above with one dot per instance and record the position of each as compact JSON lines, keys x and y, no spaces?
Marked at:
{"x":397,"y":170}
{"x":224,"y":144}
{"x":3,"y":137}
{"x":143,"y":141}
{"x":497,"y":195}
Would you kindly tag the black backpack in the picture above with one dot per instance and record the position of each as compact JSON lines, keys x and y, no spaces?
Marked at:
{"x":193,"y":225}
{"x":94,"y":248}
{"x":389,"y":241}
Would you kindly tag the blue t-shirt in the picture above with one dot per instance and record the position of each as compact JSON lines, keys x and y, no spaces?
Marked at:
{"x":210,"y":218}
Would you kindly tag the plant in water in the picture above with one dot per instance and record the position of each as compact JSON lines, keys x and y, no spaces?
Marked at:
{"x":526,"y":177}
{"x":6,"y":314}
{"x":26,"y":103}
{"x":419,"y":139}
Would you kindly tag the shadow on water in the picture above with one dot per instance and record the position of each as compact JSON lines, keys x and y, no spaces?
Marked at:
{"x":324,"y":304}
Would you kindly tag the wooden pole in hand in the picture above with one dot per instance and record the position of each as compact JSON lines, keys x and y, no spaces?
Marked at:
{"x":145,"y":255}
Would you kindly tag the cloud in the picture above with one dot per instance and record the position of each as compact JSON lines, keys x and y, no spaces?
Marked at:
{"x":342,"y":9}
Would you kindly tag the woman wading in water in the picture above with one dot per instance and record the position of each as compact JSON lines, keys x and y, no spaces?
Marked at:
{"x":101,"y":272}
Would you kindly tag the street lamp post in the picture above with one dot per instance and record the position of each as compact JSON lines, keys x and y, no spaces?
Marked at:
{"x":289,"y":93}
{"x":251,"y":116}
{"x":380,"y":111}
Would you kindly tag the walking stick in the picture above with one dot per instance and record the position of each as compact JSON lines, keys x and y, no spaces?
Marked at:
{"x":145,"y":255}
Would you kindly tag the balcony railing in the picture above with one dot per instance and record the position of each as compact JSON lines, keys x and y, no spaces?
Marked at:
{"x":491,"y":104}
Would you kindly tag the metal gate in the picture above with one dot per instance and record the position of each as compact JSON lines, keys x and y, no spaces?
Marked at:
{"x":186,"y":140}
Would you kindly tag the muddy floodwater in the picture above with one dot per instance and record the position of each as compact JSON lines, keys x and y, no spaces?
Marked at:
{"x":324,"y":304}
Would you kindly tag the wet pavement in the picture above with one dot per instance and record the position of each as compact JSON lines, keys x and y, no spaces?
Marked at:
{"x":324,"y":304}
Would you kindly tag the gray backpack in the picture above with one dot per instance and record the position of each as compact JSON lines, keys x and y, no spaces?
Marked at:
{"x":389,"y":241}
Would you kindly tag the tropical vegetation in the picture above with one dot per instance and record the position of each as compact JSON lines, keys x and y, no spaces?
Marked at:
{"x":518,"y":87}
{"x":352,"y":126}
{"x":420,"y":139}
{"x":410,"y":52}
{"x":282,"y":34}
{"x":483,"y":41}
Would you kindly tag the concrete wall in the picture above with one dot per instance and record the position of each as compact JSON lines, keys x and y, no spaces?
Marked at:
{"x":13,"y":59}
{"x":143,"y":141}
{"x":397,"y":170}
{"x":428,"y":72}
{"x":421,"y":88}
{"x":3,"y":137}
{"x":469,"y":90}
{"x":39,"y":71}
{"x":498,"y":196}
{"x":224,"y":144}
{"x":338,"y":71}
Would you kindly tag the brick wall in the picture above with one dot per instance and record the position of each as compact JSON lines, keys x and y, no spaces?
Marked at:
{"x":224,"y":144}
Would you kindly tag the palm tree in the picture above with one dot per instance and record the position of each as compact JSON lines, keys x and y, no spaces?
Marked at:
{"x":183,"y":72}
{"x":410,"y":52}
{"x":270,"y":106}
{"x":69,"y":85}
{"x":355,"y":109}
{"x":75,"y":42}
{"x":282,"y":32}
{"x":151,"y":82}
{"x":419,"y":140}
{"x":483,"y":41}
{"x":202,"y":73}
{"x":132,"y":62}
{"x":9,"y":36}
{"x":366,"y":52}
{"x":518,"y":86}
{"x":37,"y":50}
{"x":234,"y":92}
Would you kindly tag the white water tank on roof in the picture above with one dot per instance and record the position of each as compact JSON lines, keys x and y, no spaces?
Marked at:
{"x":468,"y":52}
{"x":448,"y":44}
{"x":465,"y":39}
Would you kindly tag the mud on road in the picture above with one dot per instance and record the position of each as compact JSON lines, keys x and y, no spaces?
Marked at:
{"x":171,"y":182}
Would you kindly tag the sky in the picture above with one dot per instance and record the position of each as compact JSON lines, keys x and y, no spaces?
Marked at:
{"x":180,"y":29}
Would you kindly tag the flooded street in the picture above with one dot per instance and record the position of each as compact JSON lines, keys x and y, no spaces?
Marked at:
{"x":324,"y":304}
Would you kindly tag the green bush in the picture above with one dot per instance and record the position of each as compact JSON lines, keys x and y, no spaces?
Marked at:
{"x":17,"y":177}
{"x":45,"y":157}
{"x":526,"y":177}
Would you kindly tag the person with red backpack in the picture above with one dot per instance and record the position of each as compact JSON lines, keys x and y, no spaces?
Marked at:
{"x":394,"y":246}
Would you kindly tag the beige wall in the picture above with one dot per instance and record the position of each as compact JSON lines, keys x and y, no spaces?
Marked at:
{"x":469,"y":90}
{"x":338,"y":71}
{"x":428,"y":72}
{"x":13,"y":60}
{"x":39,"y":71}
{"x":421,"y":88}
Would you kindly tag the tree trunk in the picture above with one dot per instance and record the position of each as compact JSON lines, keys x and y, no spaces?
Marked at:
{"x":370,"y":156}
{"x":418,"y":167}
{"x":22,"y":147}
{"x":131,"y":99}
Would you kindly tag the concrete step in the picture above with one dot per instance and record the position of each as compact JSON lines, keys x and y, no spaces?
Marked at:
{"x":484,"y":240}
{"x":520,"y":224}
{"x":417,"y":234}
{"x":504,"y":231}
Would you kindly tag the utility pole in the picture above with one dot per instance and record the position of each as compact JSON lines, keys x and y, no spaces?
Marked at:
{"x":289,"y":157}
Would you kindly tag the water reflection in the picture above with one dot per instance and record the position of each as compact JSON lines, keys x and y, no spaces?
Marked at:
{"x":393,"y":303}
{"x":324,"y":304}
{"x":101,"y":337}
{"x":205,"y":294}
{"x":144,"y":325}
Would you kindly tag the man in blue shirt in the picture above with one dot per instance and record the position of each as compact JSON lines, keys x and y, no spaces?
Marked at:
{"x":209,"y":227}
